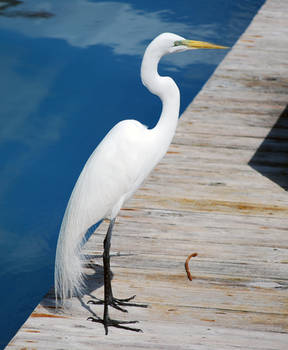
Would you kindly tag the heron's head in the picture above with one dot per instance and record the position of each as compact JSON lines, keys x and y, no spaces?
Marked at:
{"x":170,"y":43}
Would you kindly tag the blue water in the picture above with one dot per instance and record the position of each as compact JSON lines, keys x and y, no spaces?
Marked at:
{"x":69,"y":71}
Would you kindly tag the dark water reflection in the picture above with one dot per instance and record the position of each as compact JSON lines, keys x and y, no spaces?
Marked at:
{"x":69,"y":71}
{"x":6,"y":5}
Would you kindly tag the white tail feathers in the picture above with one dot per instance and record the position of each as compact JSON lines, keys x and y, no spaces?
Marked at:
{"x":69,"y":279}
{"x":83,"y":210}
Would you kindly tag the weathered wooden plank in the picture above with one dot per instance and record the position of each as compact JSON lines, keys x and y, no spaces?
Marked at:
{"x":230,"y":130}
{"x":204,"y":197}
{"x":157,"y":335}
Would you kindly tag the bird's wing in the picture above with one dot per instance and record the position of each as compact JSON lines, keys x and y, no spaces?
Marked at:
{"x":113,"y":171}
{"x":111,"y":174}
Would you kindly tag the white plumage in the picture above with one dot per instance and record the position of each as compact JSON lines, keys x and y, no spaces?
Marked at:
{"x":99,"y":193}
{"x":118,"y":165}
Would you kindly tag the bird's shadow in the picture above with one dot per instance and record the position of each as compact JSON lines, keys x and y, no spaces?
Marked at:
{"x":271,"y":158}
{"x":93,"y":281}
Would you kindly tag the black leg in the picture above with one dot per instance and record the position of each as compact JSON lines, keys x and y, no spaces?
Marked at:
{"x":108,"y":294}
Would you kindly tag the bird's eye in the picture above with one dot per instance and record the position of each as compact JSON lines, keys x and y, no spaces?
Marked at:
{"x":178,"y":43}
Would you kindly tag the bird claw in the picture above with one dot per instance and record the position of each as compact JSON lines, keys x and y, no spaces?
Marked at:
{"x":108,"y":322}
{"x":115,"y":302}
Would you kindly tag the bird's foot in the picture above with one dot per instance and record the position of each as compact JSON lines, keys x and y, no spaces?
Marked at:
{"x":108,"y":322}
{"x":115,"y":302}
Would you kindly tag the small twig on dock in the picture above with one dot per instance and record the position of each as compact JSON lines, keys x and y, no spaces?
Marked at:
{"x":187,"y":265}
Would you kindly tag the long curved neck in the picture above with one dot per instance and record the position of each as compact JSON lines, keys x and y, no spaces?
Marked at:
{"x":165,"y":88}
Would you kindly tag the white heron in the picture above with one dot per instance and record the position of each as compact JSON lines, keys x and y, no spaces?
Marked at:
{"x":114,"y":171}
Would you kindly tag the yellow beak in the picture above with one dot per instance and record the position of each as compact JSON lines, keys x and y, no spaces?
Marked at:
{"x":193,"y":44}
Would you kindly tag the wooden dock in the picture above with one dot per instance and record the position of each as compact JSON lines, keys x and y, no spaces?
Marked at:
{"x":219,"y":192}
